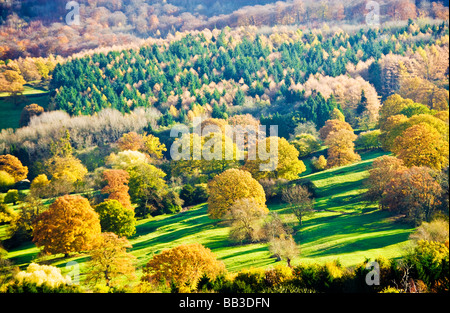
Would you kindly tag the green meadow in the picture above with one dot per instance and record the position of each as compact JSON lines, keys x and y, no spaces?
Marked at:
{"x":343,"y":228}
{"x":10,"y":116}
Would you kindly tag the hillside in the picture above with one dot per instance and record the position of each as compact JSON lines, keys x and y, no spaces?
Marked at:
{"x":330,"y":234}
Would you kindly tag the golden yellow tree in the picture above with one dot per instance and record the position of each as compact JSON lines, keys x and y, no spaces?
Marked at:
{"x":422,"y":145}
{"x":341,"y":148}
{"x":12,"y":165}
{"x":283,"y":163}
{"x":183,"y":265}
{"x":230,"y":186}
{"x":69,"y":225}
{"x":153,"y":147}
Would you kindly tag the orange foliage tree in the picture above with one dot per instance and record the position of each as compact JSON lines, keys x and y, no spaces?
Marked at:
{"x":413,"y":192}
{"x":69,"y":225}
{"x":117,"y":186}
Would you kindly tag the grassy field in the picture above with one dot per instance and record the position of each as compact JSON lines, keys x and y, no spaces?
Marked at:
{"x":10,"y":116}
{"x":344,"y":228}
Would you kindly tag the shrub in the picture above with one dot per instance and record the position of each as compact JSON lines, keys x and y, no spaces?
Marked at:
{"x":430,"y":263}
{"x":12,"y":196}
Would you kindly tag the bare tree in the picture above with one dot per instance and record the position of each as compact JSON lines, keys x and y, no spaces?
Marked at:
{"x":300,"y":201}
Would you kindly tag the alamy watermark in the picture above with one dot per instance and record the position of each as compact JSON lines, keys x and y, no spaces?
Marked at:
{"x":73,"y":16}
{"x":373,"y":277}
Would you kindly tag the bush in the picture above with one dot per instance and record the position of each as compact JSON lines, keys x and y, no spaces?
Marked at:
{"x":193,"y":195}
{"x":12,"y":196}
{"x":329,"y":277}
{"x":429,"y":263}
{"x":115,"y":218}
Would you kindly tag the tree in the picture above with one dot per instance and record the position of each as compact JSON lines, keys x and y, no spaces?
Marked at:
{"x":21,"y":226}
{"x":110,"y":260}
{"x":283,"y":163}
{"x":12,"y":196}
{"x":369,"y":139}
{"x":319,"y":163}
{"x":28,"y":112}
{"x":6,"y":180}
{"x":300,"y":201}
{"x":115,"y":218}
{"x":245,"y":218}
{"x":341,"y":148}
{"x":153,"y":147}
{"x":130,"y":141}
{"x":65,"y":172}
{"x":336,"y":114}
{"x":69,"y":225}
{"x":284,"y":247}
{"x":117,"y":186}
{"x":333,"y":126}
{"x":383,"y":170}
{"x":183,"y":266}
{"x":230,"y":186}
{"x":305,"y":144}
{"x":393,"y":105}
{"x":422,"y":145}
{"x":40,"y":186}
{"x":414,"y":193}
{"x":12,"y":165}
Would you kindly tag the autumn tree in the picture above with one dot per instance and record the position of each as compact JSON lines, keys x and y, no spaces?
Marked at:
{"x":183,"y":266}
{"x":341,"y":148}
{"x":28,"y":112}
{"x":69,"y":225}
{"x":282,"y":163}
{"x":422,"y":145}
{"x":110,"y":260}
{"x":12,"y":165}
{"x":414,"y":193}
{"x":319,"y":163}
{"x":117,"y":186}
{"x":153,"y":147}
{"x":245,"y":218}
{"x":333,"y":126}
{"x":65,"y":172}
{"x":6,"y":181}
{"x":130,"y":141}
{"x":230,"y":186}
{"x":115,"y":218}
{"x":383,"y":170}
{"x":299,"y":201}
{"x":40,"y":186}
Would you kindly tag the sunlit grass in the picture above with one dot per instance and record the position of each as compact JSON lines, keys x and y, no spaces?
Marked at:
{"x":344,"y":228}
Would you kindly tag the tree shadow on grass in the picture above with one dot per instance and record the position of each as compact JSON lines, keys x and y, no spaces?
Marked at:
{"x":375,"y":242}
{"x":370,"y":221}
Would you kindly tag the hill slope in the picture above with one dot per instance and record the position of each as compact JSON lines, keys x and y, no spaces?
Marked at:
{"x":344,"y":228}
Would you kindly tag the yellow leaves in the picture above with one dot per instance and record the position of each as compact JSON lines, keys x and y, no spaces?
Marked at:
{"x":40,"y":274}
{"x":230,"y":186}
{"x":184,"y":265}
{"x":69,"y":225}
{"x":422,"y":145}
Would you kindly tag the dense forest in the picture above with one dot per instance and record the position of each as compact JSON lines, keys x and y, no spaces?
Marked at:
{"x":39,"y":28}
{"x":99,"y":175}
